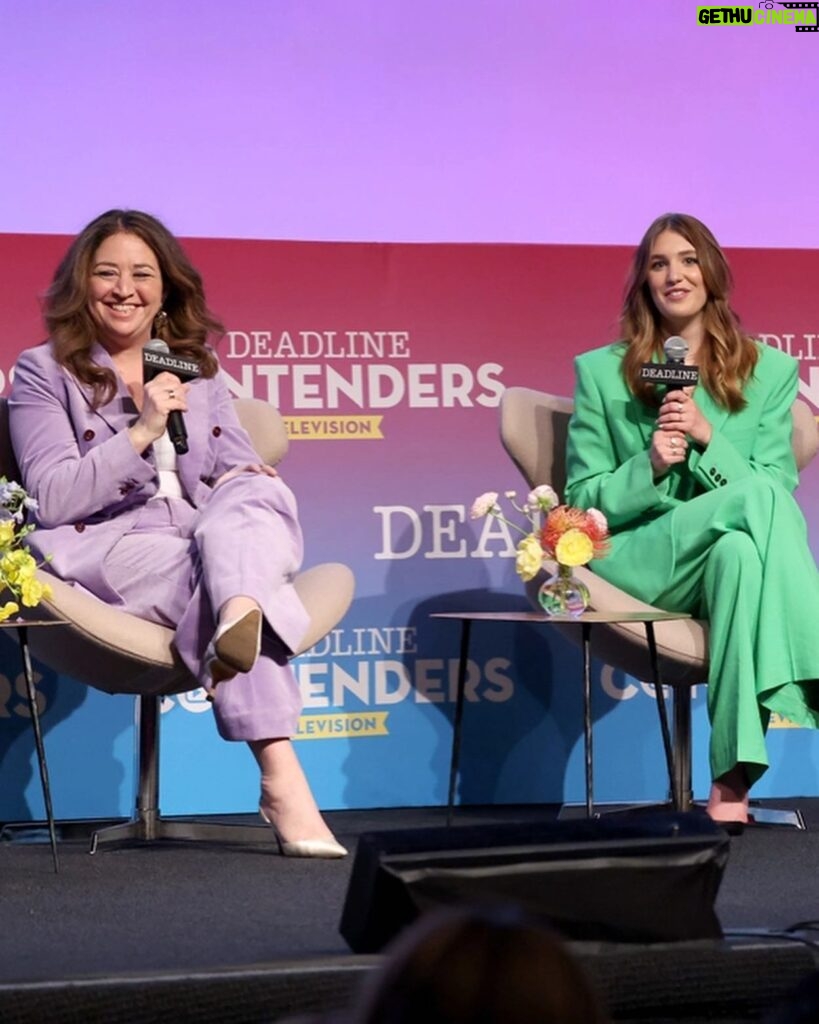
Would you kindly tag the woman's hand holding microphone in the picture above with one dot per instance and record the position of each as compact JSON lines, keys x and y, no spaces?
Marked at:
{"x":678,"y":420}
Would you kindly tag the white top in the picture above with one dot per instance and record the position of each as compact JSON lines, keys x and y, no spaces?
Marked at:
{"x":165,"y":457}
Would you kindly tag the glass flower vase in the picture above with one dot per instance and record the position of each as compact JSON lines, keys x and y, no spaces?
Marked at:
{"x":563,"y":594}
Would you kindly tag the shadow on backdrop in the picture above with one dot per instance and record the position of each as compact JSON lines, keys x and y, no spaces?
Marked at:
{"x":84,"y":772}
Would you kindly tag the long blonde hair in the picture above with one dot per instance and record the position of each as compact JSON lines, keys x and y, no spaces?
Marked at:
{"x":727,"y":359}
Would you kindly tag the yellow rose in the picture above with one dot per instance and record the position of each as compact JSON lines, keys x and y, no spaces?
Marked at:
{"x":574,"y":548}
{"x":529,"y":558}
{"x":8,"y":609}
{"x":6,"y":533}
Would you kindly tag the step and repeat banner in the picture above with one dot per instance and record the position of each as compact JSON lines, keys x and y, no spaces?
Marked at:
{"x":388,"y":362}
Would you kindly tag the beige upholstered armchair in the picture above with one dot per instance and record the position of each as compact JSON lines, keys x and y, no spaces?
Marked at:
{"x":533,"y":431}
{"x":114,"y":651}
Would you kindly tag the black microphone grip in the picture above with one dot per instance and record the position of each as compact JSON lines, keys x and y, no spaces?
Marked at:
{"x":156,"y":357}
{"x":177,"y":432}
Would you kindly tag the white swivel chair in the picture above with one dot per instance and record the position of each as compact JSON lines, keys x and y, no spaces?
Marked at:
{"x":117,"y":652}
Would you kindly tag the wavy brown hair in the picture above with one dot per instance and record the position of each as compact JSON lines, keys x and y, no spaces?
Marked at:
{"x":186,"y":326}
{"x":728,"y":357}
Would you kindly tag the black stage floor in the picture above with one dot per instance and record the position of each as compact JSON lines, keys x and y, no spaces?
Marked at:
{"x":207,"y":933}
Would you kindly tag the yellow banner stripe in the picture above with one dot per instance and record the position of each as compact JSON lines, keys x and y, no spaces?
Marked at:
{"x":780,"y":722}
{"x":334,"y":428}
{"x":345,"y":723}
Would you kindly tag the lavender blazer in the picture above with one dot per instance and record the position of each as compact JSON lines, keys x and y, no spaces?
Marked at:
{"x":79,"y":463}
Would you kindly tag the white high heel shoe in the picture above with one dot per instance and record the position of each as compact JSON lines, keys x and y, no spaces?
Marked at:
{"x":327,"y":848}
{"x":235,"y":647}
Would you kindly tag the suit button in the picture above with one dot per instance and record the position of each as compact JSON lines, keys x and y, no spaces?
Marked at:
{"x":712,"y":471}
{"x":89,"y":435}
{"x":723,"y":482}
{"x":79,"y":527}
{"x":216,"y":431}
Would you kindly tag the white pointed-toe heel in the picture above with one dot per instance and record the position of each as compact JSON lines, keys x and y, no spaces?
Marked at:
{"x":327,"y":848}
{"x":235,"y":647}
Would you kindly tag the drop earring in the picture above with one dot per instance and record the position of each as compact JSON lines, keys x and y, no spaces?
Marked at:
{"x":160,"y":322}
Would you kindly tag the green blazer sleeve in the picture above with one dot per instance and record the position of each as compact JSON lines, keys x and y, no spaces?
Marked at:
{"x":607,"y":463}
{"x":610,"y":432}
{"x":759,"y":438}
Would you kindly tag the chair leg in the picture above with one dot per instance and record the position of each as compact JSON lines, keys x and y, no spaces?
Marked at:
{"x":34,"y":711}
{"x":148,"y":825}
{"x":659,"y":695}
{"x":777,"y":816}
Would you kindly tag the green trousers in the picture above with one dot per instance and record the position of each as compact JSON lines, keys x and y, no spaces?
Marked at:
{"x":737,"y":556}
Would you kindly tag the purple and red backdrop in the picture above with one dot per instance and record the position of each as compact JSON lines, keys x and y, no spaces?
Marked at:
{"x":388,"y":362}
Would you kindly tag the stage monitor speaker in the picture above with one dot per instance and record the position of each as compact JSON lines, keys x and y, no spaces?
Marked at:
{"x":652,"y":879}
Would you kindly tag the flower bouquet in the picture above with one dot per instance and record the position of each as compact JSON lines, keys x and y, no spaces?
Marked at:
{"x":18,"y":580}
{"x":567,"y":536}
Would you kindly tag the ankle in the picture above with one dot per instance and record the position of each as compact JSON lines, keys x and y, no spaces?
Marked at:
{"x":728,"y":799}
{"x":285,"y":794}
{"x":294,"y":821}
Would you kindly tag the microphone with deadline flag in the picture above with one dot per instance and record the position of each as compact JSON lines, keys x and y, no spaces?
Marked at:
{"x":156,"y":357}
{"x":673,"y":372}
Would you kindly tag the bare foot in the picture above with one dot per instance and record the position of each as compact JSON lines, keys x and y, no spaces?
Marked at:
{"x":286,"y":798}
{"x":728,"y":799}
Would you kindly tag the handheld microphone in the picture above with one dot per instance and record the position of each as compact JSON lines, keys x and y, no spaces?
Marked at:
{"x":673,"y":372}
{"x":156,"y":357}
{"x":676,"y":349}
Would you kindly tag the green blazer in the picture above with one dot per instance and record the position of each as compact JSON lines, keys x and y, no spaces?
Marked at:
{"x":608,"y":465}
{"x":762,"y":613}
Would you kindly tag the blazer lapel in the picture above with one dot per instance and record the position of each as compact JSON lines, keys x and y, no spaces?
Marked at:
{"x":197,"y":423}
{"x":121,"y":410}
{"x":641,"y":417}
{"x":715,"y":414}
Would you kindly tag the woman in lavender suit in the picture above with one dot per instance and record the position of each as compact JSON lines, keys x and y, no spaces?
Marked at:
{"x":206,"y":541}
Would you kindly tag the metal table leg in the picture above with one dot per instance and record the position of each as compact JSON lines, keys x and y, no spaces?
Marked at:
{"x":22,"y":636}
{"x":587,"y":718}
{"x":682,"y":746}
{"x":466,"y":626}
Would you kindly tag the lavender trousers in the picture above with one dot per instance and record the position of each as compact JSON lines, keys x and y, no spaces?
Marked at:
{"x":177,"y":565}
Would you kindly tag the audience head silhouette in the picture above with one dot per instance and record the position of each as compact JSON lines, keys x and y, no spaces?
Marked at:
{"x":482,"y":966}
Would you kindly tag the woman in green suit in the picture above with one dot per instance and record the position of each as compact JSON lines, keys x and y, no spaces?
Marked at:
{"x":697,"y":485}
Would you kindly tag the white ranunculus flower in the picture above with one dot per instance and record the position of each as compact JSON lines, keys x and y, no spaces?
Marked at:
{"x":542,"y":498}
{"x":484,"y":504}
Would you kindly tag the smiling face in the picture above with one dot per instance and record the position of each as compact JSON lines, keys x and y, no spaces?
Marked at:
{"x":124,"y":291}
{"x":675,"y":281}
